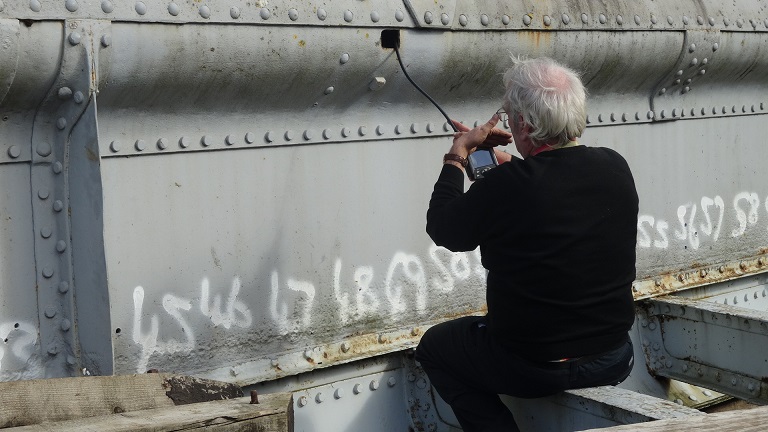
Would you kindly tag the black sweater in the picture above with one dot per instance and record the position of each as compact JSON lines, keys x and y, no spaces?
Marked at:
{"x":557,"y":233}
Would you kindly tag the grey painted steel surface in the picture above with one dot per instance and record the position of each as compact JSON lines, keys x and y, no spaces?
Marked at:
{"x":238,"y":190}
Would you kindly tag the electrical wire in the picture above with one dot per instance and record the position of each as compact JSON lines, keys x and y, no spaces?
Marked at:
{"x":399,"y":60}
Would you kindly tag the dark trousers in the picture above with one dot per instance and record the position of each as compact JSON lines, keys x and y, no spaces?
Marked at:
{"x":469,"y":370}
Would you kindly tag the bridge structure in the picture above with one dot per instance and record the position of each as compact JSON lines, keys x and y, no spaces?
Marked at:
{"x":237,"y":190}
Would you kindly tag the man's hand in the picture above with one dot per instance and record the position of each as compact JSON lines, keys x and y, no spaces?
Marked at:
{"x":466,"y":140}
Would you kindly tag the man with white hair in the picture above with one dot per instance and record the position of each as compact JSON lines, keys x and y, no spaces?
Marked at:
{"x":557,"y":232}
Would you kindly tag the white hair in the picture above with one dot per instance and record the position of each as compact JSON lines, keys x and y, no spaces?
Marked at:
{"x":549,"y":97}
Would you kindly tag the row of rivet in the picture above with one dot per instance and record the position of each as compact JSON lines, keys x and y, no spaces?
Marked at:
{"x":270,"y":137}
{"x":339,"y":393}
{"x":674,"y":113}
{"x":205,"y":12}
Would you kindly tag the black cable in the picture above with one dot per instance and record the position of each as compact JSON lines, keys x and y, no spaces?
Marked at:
{"x":450,"y":122}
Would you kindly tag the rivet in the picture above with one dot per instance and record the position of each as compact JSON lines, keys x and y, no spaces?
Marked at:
{"x":589,"y":120}
{"x":637,"y":115}
{"x":694,"y":61}
{"x":229,"y":140}
{"x":656,"y":347}
{"x":140,"y":145}
{"x":600,"y":118}
{"x":43,"y":194}
{"x":114,"y":146}
{"x":674,"y":112}
{"x":374,"y":385}
{"x":484,"y":20}
{"x":184,"y":142}
{"x":106,"y":40}
{"x":676,"y":82}
{"x":733,"y":109}
{"x":269,"y":137}
{"x":602,"y":19}
{"x":319,"y":398}
{"x":383,"y":339}
{"x":65,"y":325}
{"x":415,"y":128}
{"x":348,"y":15}
{"x":685,"y":368}
{"x":619,"y":20}
{"x":107,"y":6}
{"x":293,"y":14}
{"x":345,"y":132}
{"x":344,"y":58}
{"x":375,"y":17}
{"x":527,"y":20}
{"x":399,"y":16}
{"x":547,"y":20}
{"x":141,"y":8}
{"x":204,"y":11}
{"x":649,"y":115}
{"x":302,"y":401}
{"x":743,"y":265}
{"x":14,"y":151}
{"x":637,"y":19}
{"x":392,"y":381}
{"x":308,"y":354}
{"x":463,"y":20}
{"x":50,"y":312}
{"x":205,"y":141}
{"x":685,"y":20}
{"x":693,"y":111}
{"x":234,"y":12}
{"x":338,"y":393}
{"x":61,"y":246}
{"x":566,"y":19}
{"x":35,"y":5}
{"x":65,"y":93}
{"x":447,"y":127}
{"x":688,"y":81}
{"x":700,"y":19}
{"x":53,"y":349}
{"x":43,"y":149}
{"x":743,"y":108}
{"x":715,"y":46}
{"x":345,"y":346}
{"x":47,"y":272}
{"x":681,"y":277}
{"x":379,"y":130}
{"x":329,"y":90}
{"x":652,"y":326}
{"x":173,"y":9}
{"x":760,"y":261}
{"x":765,"y":23}
{"x":357,"y":389}
{"x":505,"y":20}
{"x":654,"y":20}
{"x":584,"y":18}
{"x":78,"y":97}
{"x":668,"y":364}
{"x":670,"y":20}
{"x":740,"y":22}
{"x":322,"y":14}
{"x":326,"y":133}
{"x":74,"y":38}
{"x":692,"y":47}
{"x":264,"y":13}
{"x":428,"y":17}
{"x":663,"y":114}
{"x":250,"y":138}
{"x":162,"y":144}
{"x":362,"y":131}
{"x":58,"y":206}
{"x":751,"y":386}
{"x":662,"y":91}
{"x":288,"y":135}
{"x":307,"y":135}
{"x":398,"y":129}
{"x":415,"y":331}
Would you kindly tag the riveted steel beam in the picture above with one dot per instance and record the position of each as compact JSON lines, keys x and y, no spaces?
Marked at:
{"x":717,"y":346}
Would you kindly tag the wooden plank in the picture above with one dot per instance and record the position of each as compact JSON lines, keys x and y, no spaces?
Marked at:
{"x":749,"y":420}
{"x":274,"y":413}
{"x":37,"y":401}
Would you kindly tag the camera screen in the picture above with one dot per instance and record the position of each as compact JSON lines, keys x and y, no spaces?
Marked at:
{"x":482,"y":158}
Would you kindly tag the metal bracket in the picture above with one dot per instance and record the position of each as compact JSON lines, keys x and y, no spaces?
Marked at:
{"x":713,"y":345}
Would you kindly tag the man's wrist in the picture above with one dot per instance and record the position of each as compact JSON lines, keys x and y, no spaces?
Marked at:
{"x":453,"y":157}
